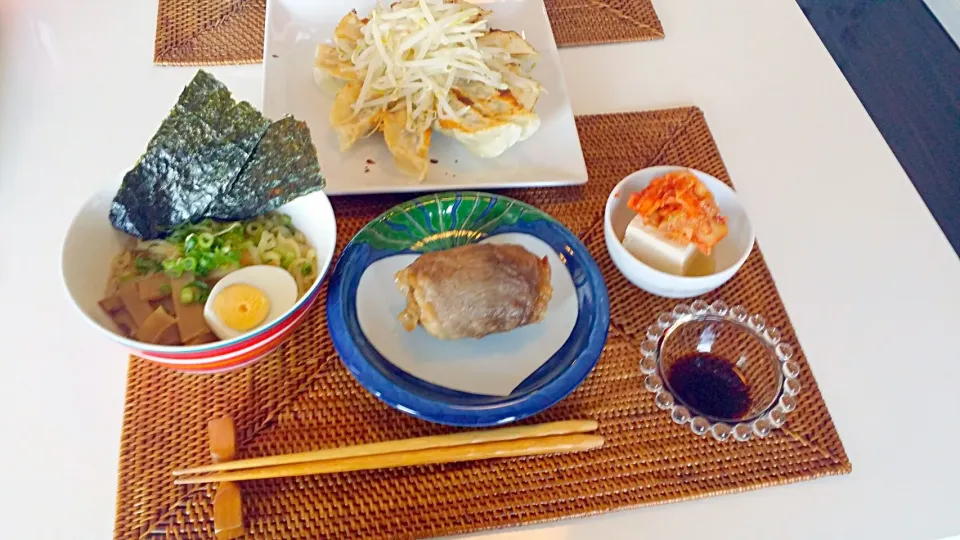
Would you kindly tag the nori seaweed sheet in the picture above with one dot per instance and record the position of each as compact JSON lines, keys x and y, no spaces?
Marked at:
{"x":214,"y":157}
{"x":283,"y":167}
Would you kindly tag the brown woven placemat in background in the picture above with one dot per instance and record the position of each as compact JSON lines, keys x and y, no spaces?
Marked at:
{"x":592,"y":22}
{"x":301,"y":397}
{"x":210,"y":32}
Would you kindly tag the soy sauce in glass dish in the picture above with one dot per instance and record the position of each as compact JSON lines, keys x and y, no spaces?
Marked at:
{"x":710,"y":384}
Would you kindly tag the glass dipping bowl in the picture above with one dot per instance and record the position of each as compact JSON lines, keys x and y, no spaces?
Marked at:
{"x":740,"y":345}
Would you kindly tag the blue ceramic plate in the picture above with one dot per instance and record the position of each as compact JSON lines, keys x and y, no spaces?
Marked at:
{"x":363,"y":303}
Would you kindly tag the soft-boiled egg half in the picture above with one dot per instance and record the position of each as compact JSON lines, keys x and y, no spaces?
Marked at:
{"x":249,"y":298}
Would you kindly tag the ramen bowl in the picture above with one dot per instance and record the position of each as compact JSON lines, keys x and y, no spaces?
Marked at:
{"x":91,"y":243}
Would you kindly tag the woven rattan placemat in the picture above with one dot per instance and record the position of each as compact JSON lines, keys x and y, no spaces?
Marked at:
{"x":302,"y":398}
{"x":210,"y":32}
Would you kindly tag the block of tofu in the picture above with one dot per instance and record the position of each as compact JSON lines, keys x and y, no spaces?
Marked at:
{"x":650,"y":247}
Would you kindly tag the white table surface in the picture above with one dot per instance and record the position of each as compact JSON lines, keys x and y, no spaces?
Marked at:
{"x":870,"y":282}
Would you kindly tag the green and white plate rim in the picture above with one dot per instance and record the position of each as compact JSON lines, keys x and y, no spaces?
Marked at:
{"x":427,"y":377}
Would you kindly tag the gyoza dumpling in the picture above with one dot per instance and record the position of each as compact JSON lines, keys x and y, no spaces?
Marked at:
{"x":328,"y":64}
{"x":334,"y":60}
{"x":483,"y":13}
{"x":348,"y":32}
{"x":524,"y":88}
{"x":495,"y":104}
{"x":513,"y":44}
{"x":410,"y":148}
{"x":352,"y":126}
{"x":514,"y":59}
{"x":500,"y":105}
{"x":486,"y":137}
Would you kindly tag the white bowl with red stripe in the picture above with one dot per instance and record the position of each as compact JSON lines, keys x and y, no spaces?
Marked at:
{"x":91,"y":244}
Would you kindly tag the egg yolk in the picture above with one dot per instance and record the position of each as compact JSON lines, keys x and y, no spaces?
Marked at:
{"x":242,"y":307}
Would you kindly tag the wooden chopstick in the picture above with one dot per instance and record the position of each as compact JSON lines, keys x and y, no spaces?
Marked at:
{"x":499,"y":449}
{"x":404,"y":445}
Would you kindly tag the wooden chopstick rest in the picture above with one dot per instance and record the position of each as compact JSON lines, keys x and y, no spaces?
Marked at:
{"x":228,"y":512}
{"x":227,"y":502}
{"x":223,"y":439}
{"x":498,"y":449}
{"x":420,"y":443}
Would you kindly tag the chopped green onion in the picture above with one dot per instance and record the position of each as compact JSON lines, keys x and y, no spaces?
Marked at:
{"x":187,"y":295}
{"x":173,"y":268}
{"x":199,"y":289}
{"x":213,"y":246}
{"x":206,"y":263}
{"x":205,"y":240}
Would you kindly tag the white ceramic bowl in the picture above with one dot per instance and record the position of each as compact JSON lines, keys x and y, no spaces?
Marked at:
{"x":729,"y":254}
{"x":92,"y":242}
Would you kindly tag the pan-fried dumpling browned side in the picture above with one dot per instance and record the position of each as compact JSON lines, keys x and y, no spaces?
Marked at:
{"x":328,"y":60}
{"x":515,"y":66}
{"x":490,"y":102}
{"x":332,"y":65}
{"x":352,"y":126}
{"x":525,"y":89}
{"x":481,"y":15}
{"x":348,"y":32}
{"x":410,"y":148}
{"x":511,"y":42}
{"x":483,"y":136}
{"x":500,"y":105}
{"x":475,"y":290}
{"x":487,"y":127}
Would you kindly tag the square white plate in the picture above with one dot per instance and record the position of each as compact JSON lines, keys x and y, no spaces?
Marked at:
{"x":551,"y":157}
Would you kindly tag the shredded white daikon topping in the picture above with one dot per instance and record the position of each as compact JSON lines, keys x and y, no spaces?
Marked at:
{"x":413,"y":52}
